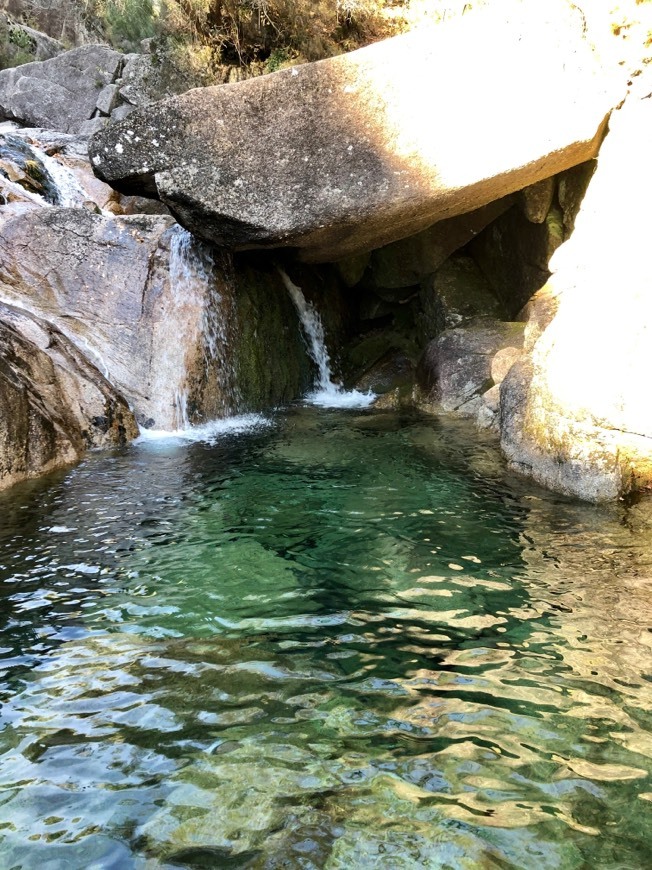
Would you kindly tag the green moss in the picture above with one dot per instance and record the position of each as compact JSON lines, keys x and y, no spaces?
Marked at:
{"x":272,"y":366}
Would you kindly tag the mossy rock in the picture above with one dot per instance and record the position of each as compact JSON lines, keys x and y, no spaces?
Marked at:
{"x":271,"y":363}
{"x":361,"y":355}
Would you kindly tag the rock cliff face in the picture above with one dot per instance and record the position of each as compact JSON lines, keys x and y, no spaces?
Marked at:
{"x":105,"y":282}
{"x":574,"y":412}
{"x":354,"y":152}
{"x":53,"y":403}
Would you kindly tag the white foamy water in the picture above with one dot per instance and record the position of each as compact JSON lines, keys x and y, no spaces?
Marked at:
{"x":328,"y":393}
{"x":207,"y":433}
{"x":194,"y":289}
{"x":70,"y":193}
{"x":338,"y":397}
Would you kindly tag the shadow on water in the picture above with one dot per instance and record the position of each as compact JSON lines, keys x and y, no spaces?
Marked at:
{"x":346,"y":640}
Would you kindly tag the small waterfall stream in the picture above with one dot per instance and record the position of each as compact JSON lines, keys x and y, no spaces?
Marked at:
{"x":194,"y":288}
{"x":328,"y":393}
{"x":64,"y":189}
{"x":70,"y":193}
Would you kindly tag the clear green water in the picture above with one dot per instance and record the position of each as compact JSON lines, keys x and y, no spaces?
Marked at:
{"x":347,"y":640}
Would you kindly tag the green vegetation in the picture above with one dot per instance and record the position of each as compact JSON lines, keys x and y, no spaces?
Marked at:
{"x":211,"y":37}
{"x":16,"y":46}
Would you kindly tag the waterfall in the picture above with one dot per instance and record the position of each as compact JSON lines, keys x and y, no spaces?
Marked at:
{"x":66,"y":190}
{"x":328,"y":393}
{"x":193,"y":287}
{"x":69,"y":191}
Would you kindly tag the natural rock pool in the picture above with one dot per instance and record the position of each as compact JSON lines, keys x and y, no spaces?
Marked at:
{"x":342,"y":639}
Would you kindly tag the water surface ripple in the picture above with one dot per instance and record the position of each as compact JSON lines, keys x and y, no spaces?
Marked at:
{"x":345,"y":640}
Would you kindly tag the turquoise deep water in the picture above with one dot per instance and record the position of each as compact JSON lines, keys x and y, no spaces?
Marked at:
{"x":343,"y":640}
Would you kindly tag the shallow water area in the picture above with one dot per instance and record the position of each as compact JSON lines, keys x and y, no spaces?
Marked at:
{"x":329,"y":639}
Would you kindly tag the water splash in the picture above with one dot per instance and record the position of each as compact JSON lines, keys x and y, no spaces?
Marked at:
{"x":207,"y":433}
{"x":70,"y":193}
{"x":328,"y":393}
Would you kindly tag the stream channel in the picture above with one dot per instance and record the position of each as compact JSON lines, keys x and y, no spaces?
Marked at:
{"x":332,"y":637}
{"x":329,"y":638}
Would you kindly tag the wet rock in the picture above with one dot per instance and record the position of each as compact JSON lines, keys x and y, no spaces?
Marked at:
{"x":156,"y":311}
{"x":54,"y":404}
{"x":394,"y":370}
{"x":60,"y":93}
{"x":574,"y":413}
{"x":368,"y":351}
{"x":457,"y":293}
{"x":71,"y":152}
{"x":455,"y":370}
{"x":357,"y":151}
{"x":21,"y":166}
{"x":271,"y":366}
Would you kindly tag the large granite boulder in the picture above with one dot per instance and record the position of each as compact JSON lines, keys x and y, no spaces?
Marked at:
{"x":60,"y":93}
{"x":353,"y":152}
{"x":575,"y":416}
{"x":54,"y":404}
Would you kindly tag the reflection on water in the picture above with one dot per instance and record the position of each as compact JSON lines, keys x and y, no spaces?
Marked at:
{"x":346,"y":640}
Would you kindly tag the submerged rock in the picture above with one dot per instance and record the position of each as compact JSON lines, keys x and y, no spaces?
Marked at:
{"x":53,"y":403}
{"x":353,"y":152}
{"x":575,"y":414}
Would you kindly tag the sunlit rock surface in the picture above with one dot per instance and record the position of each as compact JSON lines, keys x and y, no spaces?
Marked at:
{"x":357,"y":151}
{"x":54,"y":404}
{"x":575,"y":414}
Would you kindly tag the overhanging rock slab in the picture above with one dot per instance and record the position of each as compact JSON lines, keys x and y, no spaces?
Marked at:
{"x":353,"y":152}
